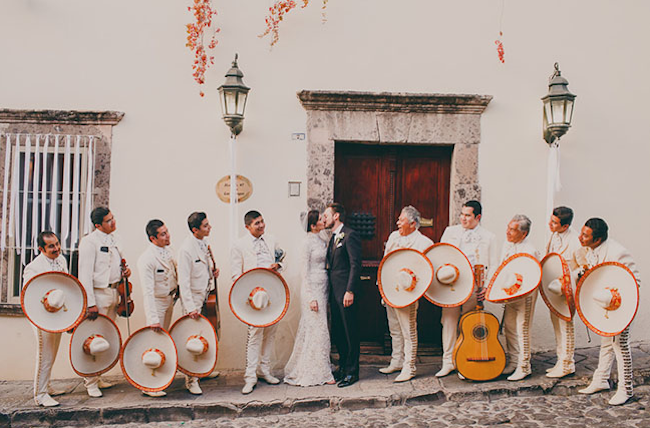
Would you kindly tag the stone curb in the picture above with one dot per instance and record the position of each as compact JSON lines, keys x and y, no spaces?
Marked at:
{"x":85,"y":416}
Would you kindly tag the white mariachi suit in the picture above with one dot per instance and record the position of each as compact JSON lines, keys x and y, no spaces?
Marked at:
{"x":479,"y":245}
{"x":564,"y":244}
{"x":402,"y":322}
{"x":249,"y":253}
{"x":100,"y":272}
{"x":518,"y":315}
{"x":158,"y":280}
{"x":194,"y":275}
{"x":48,"y":343}
{"x":614,"y":347}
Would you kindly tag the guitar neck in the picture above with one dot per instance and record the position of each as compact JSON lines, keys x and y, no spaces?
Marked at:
{"x":479,"y":279}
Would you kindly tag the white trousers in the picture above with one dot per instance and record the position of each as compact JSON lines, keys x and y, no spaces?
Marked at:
{"x":402,"y":323}
{"x":449,"y":320}
{"x":46,"y":349}
{"x":564,"y":343}
{"x":164,"y":307}
{"x":259,"y":347}
{"x":616,"y":347}
{"x":517,"y":320}
{"x":106,"y":300}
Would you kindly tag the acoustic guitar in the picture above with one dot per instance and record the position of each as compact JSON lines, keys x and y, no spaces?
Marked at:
{"x":478,"y":354}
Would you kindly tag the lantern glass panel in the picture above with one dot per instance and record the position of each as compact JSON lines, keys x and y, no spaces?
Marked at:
{"x":557,"y":106}
{"x":230,"y":101}
{"x":222,"y":102}
{"x":569,"y":111}
{"x":241,"y":103}
{"x":549,"y":113}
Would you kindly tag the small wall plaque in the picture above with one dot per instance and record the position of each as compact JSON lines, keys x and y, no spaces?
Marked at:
{"x":244,"y":188}
{"x":294,"y":188}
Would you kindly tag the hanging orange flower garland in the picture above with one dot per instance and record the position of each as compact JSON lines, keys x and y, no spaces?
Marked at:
{"x":203,"y":14}
{"x":277,"y":12}
{"x":500,"y":52}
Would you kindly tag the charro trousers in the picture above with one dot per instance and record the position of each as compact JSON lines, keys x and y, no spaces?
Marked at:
{"x":402,"y":323}
{"x":449,"y":320}
{"x":564,"y":343}
{"x":517,"y":319}
{"x":616,"y":347}
{"x":259,"y":347}
{"x":46,"y":350}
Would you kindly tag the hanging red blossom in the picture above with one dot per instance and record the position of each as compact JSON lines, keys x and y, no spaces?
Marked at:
{"x":277,"y":12}
{"x":500,"y":52}
{"x":203,"y":14}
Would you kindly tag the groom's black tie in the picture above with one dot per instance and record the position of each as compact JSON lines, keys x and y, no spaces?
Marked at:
{"x":330,"y":250}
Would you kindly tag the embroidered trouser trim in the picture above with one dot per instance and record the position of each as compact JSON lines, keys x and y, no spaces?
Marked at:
{"x":449,"y":320}
{"x":106,"y":300}
{"x":517,"y":320}
{"x":47,"y":347}
{"x":259,"y":347}
{"x":616,"y":347}
{"x":564,"y":343}
{"x":402,"y":323}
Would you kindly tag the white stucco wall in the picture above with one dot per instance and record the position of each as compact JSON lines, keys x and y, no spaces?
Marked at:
{"x":171,"y":147}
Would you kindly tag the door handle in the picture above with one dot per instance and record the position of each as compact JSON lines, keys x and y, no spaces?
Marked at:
{"x":426,"y":222}
{"x":365,"y":278}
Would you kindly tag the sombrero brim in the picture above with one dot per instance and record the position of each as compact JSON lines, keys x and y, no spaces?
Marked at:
{"x":86,"y":365}
{"x":389,"y":269}
{"x":599,"y":320}
{"x":448,"y":296}
{"x":553,"y":267}
{"x":521,"y":263}
{"x":275,"y":286}
{"x":190,"y":364}
{"x":62,"y":320}
{"x":136,"y":373}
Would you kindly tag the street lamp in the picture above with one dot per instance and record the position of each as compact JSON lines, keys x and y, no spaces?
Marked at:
{"x":558,"y":107}
{"x":233,"y":94}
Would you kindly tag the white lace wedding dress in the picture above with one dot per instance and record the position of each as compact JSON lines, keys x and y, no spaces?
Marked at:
{"x":309,"y":363}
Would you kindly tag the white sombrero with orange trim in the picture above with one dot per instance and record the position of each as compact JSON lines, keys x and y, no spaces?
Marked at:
{"x":54,"y":301}
{"x":95,"y":346}
{"x":403,"y":277}
{"x":517,"y":277}
{"x":259,"y":297}
{"x":556,"y":287}
{"x":149,"y":360}
{"x":453,"y":282}
{"x":607,"y":298}
{"x":196,"y":344}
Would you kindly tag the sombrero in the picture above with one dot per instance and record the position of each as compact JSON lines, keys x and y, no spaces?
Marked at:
{"x":54,"y":301}
{"x":95,"y":346}
{"x":196,"y":344}
{"x":607,"y":298}
{"x":149,"y":360}
{"x":517,"y":277}
{"x":403,"y":277}
{"x":556,"y":288}
{"x":259,"y":297}
{"x":453,"y":282}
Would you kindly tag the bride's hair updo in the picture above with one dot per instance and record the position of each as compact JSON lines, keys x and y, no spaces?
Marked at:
{"x":312,"y":219}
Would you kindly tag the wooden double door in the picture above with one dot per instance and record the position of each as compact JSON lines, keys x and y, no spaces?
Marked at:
{"x":374,"y":182}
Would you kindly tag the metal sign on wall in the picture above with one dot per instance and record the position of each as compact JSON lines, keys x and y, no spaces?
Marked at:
{"x":244,"y":188}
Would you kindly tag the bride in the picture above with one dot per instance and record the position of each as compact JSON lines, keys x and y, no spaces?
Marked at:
{"x":309,"y":363}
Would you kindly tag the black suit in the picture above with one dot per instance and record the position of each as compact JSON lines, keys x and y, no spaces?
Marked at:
{"x":344,"y":268}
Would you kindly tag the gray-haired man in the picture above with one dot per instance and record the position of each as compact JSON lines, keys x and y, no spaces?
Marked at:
{"x":402,"y":322}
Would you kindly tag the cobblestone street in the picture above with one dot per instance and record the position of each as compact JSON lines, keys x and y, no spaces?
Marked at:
{"x":538,"y":411}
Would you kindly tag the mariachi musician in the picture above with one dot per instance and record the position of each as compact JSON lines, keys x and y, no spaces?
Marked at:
{"x":479,"y":245}
{"x":100,"y":272}
{"x":50,"y":260}
{"x":194,"y":275}
{"x":596,"y":249}
{"x":563,"y":241}
{"x":158,"y":279}
{"x":402,"y":322}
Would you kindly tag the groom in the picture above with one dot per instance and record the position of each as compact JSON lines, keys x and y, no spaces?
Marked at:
{"x":343,"y":269}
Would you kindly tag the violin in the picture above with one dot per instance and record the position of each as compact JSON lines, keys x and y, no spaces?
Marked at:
{"x":125,"y":305}
{"x":478,"y":353}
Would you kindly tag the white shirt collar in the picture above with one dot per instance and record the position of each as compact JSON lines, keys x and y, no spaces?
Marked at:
{"x":338,"y":229}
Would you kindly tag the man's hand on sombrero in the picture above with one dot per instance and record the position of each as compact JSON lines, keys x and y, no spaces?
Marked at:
{"x":92,"y":313}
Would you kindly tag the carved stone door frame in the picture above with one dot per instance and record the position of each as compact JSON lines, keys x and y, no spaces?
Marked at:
{"x":393,"y":118}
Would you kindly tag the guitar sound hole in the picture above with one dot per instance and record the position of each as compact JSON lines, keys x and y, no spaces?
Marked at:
{"x":480,"y":333}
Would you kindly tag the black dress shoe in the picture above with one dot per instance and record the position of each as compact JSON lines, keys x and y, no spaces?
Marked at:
{"x":347,"y":381}
{"x":338,"y":375}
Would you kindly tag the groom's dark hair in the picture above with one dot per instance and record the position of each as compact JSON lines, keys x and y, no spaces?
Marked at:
{"x":338,"y":208}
